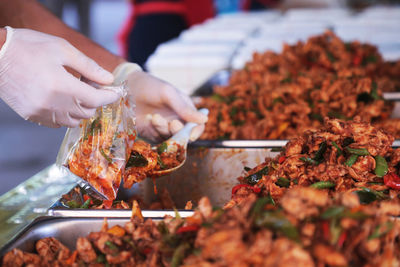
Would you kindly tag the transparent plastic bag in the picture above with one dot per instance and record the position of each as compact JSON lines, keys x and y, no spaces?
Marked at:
{"x":98,"y":149}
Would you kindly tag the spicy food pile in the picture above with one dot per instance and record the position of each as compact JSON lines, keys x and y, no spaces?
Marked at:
{"x":305,"y":207}
{"x":308,"y":228}
{"x":339,"y":157}
{"x":278,"y":96}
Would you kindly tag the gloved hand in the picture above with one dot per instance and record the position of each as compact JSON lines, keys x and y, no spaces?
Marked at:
{"x":161,"y":109}
{"x":35,"y":84}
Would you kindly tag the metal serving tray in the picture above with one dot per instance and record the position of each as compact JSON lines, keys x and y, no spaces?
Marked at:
{"x":222,"y":78}
{"x":66,"y":230}
{"x":210,"y":172}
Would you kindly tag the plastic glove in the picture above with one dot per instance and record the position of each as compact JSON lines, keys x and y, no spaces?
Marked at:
{"x":35,"y":84}
{"x":161,"y":109}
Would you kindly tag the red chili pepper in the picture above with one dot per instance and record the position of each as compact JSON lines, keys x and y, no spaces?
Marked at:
{"x":392,"y":180}
{"x":326,"y":230}
{"x":342,"y":238}
{"x":86,"y":197}
{"x":357,"y":60}
{"x":254,"y":188}
{"x":187,"y":228}
{"x":281,"y":159}
{"x":147,"y":250}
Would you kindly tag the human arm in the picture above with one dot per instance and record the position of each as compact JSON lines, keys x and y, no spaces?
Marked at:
{"x":30,"y":14}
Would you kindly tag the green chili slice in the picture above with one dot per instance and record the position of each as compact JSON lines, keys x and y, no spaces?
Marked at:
{"x":381,"y":167}
{"x":283,"y":182}
{"x":86,"y":204}
{"x":276,"y":220}
{"x":309,"y":160}
{"x":161,"y":163}
{"x":105,"y":155}
{"x":351,"y":160}
{"x":339,"y":150}
{"x":381,"y":230}
{"x":323,"y":185}
{"x":73,"y":204}
{"x":111,"y":245}
{"x":357,"y":151}
{"x":163,"y":147}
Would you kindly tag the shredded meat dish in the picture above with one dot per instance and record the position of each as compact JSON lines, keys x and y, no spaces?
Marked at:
{"x":339,"y":157}
{"x":327,"y":232}
{"x":278,"y":96}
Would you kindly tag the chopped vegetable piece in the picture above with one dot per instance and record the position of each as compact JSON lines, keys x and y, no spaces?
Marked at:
{"x":105,"y":155}
{"x":275,"y":220}
{"x":161,"y":163}
{"x":179,"y":254}
{"x":136,"y":160}
{"x":351,"y":160}
{"x":357,"y":151}
{"x":309,"y":160}
{"x":254,"y":188}
{"x":255,"y":177}
{"x":188,"y":228}
{"x":323,"y":185}
{"x":246,"y":168}
{"x":339,"y":150}
{"x":283,"y":182}
{"x":281,"y":159}
{"x":381,"y":230}
{"x":117,"y":231}
{"x":381,"y":167}
{"x":333,"y":212}
{"x":320,"y":153}
{"x":85,"y":205}
{"x":342,"y":239}
{"x":374,"y":91}
{"x":392,"y":180}
{"x":101,"y":258}
{"x":368,"y":195}
{"x":73,"y":204}
{"x":163,"y":147}
{"x":111,"y":245}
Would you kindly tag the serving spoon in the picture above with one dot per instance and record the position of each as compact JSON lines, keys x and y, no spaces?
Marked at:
{"x":180,"y":138}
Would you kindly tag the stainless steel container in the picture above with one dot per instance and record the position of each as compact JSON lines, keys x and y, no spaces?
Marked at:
{"x":67,"y":230}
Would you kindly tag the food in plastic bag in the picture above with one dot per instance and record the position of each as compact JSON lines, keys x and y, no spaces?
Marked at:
{"x":97,"y":151}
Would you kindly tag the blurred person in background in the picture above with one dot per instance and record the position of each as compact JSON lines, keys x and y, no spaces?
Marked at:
{"x":35,"y":83}
{"x":153,"y":22}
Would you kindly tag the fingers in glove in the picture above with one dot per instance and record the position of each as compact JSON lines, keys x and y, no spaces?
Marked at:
{"x":196,"y":132}
{"x":80,"y":112}
{"x":160,"y":124}
{"x":65,"y":119}
{"x":85,"y":65}
{"x":147,"y":130}
{"x":90,"y":97}
{"x":183,"y":106}
{"x":175,"y":126}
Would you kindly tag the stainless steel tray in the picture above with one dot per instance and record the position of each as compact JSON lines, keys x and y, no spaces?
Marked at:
{"x":66,"y":230}
{"x":208,"y":172}
{"x":222,"y":78}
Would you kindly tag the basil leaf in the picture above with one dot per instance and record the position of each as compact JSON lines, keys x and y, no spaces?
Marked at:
{"x":163,"y":147}
{"x":381,"y":167}
{"x":252,"y":179}
{"x":136,"y":160}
